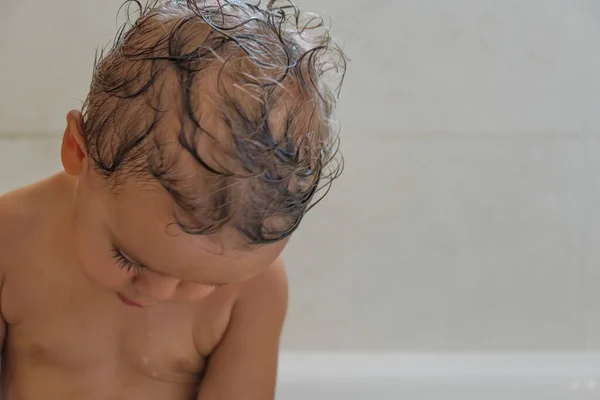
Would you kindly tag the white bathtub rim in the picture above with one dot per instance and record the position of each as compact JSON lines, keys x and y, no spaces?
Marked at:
{"x":298,"y":366}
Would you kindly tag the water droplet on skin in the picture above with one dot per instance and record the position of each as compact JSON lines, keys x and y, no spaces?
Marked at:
{"x":146,"y":360}
{"x":154,"y":374}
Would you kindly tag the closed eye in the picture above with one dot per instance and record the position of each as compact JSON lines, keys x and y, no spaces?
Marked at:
{"x":126,"y":262}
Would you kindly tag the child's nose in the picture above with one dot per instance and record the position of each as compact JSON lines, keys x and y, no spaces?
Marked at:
{"x":155,"y":286}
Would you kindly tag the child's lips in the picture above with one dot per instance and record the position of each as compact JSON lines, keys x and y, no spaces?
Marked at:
{"x":128,"y":302}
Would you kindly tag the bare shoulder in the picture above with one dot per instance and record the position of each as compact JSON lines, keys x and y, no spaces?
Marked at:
{"x":262,"y":300}
{"x":14,"y":219}
{"x":259,"y":311}
{"x":248,"y":351}
{"x":26,"y":208}
{"x":22,"y":213}
{"x":267,"y":290}
{"x":13,"y":226}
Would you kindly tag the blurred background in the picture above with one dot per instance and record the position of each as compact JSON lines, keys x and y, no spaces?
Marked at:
{"x":467,"y":216}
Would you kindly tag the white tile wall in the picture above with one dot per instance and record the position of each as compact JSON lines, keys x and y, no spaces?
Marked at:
{"x":23,"y":161}
{"x":47,"y":53}
{"x":445,"y":244}
{"x":466,"y":218}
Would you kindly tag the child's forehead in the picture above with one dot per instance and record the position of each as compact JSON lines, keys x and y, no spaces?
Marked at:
{"x":140,"y":223}
{"x":145,"y":208}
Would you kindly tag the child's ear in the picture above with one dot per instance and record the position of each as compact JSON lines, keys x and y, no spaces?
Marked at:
{"x":73,"y":153}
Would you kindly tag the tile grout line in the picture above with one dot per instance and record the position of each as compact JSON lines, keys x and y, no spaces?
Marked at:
{"x":14,"y":136}
{"x":409,"y":137}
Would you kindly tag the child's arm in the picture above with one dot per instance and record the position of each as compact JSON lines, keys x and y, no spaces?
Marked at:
{"x":244,"y":365}
{"x":2,"y":336}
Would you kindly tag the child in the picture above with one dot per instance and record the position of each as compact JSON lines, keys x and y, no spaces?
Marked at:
{"x":150,"y":268}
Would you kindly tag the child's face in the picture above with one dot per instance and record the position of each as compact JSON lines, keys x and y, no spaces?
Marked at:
{"x":128,"y":242}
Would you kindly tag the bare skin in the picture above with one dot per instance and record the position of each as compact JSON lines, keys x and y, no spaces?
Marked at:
{"x":199,"y":319}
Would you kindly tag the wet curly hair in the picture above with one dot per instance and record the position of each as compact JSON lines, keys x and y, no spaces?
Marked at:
{"x":228,"y":105}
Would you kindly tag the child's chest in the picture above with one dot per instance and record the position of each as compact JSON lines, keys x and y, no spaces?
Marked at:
{"x":68,"y":329}
{"x":159,"y":348}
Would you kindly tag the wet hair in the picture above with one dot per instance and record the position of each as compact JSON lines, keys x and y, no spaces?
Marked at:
{"x":226,"y":104}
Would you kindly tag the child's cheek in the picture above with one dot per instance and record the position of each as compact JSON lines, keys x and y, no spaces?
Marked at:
{"x":96,"y":263}
{"x":104,"y":272}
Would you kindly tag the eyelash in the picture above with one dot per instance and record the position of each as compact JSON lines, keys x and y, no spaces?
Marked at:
{"x":124,"y":263}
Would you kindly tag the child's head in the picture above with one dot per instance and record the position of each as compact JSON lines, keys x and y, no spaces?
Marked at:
{"x":207,"y":130}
